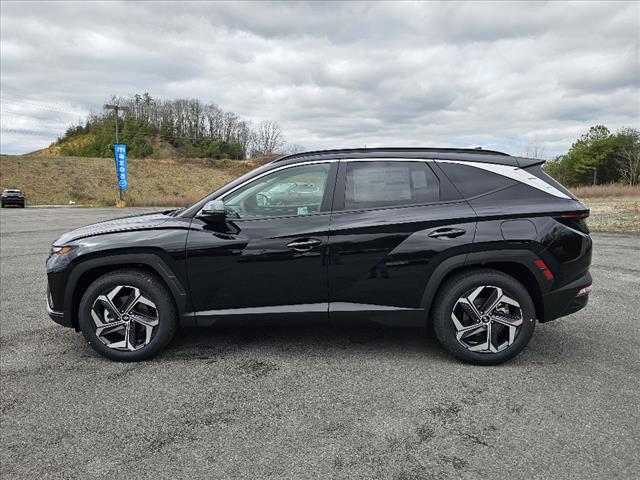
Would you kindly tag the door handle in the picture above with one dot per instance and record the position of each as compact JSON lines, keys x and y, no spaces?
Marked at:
{"x":447,"y":233}
{"x":304,"y":244}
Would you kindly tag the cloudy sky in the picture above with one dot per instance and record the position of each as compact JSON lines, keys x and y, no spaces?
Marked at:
{"x":498,"y":75}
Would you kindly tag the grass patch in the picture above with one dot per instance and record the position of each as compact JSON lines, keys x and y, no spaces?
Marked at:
{"x":605,"y":191}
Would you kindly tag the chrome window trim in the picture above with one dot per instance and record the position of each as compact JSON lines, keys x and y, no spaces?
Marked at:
{"x":382,"y":159}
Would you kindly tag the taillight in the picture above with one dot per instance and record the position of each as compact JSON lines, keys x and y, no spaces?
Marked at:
{"x":575,"y":220}
{"x":584,"y":214}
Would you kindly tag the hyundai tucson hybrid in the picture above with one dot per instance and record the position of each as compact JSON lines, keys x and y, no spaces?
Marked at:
{"x":478,"y":245}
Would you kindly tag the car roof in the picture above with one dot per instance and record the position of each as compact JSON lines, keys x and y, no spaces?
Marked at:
{"x":457,"y":154}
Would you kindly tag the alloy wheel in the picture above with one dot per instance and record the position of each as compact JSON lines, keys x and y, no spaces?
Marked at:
{"x":125,"y":318}
{"x":486,"y":320}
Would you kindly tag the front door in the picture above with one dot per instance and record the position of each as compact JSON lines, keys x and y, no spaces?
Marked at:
{"x":269,"y":258}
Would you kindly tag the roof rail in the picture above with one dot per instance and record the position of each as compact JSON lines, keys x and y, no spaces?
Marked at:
{"x":476,"y":151}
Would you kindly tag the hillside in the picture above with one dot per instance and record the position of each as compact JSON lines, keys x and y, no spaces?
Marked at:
{"x":177,"y":129}
{"x":51,"y":180}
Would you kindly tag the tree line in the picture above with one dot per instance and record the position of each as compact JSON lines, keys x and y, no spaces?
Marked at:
{"x":193,"y":128}
{"x":600,"y":157}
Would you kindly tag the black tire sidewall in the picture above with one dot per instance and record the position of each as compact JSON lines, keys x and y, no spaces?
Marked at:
{"x":153,"y":289}
{"x":455,"y":289}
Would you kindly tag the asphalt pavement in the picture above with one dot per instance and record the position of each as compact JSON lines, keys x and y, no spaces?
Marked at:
{"x":307,"y":403}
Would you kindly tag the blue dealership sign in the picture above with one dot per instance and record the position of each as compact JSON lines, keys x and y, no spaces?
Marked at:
{"x":121,"y":165}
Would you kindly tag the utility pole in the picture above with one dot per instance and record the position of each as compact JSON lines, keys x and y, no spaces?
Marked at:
{"x":116,"y":109}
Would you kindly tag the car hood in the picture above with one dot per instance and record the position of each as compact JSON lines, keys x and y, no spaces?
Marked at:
{"x":125,"y":224}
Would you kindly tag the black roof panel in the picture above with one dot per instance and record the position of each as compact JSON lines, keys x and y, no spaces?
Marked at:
{"x":458,"y":154}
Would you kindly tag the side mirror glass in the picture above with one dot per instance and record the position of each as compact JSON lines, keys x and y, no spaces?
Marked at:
{"x":213,"y":210}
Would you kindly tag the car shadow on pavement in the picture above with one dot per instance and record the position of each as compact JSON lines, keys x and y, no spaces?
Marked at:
{"x":550,"y":345}
{"x":300,"y":340}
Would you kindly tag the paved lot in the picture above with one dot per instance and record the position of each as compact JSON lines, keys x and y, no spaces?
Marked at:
{"x":315,"y":403}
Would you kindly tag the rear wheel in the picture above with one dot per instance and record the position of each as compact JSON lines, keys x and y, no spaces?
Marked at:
{"x":484,"y":317}
{"x":127,"y":315}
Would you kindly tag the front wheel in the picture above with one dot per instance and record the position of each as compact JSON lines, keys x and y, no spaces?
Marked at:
{"x":127,"y":315}
{"x":484,"y":317}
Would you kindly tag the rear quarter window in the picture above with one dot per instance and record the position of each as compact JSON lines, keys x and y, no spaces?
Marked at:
{"x":472,"y":181}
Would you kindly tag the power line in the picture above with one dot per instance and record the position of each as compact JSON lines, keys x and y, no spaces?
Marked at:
{"x":34,"y":106}
{"x":26,"y":131}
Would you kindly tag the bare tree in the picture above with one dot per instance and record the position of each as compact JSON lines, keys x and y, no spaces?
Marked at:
{"x":629,"y":151}
{"x":534,"y":149}
{"x":245,"y":135}
{"x":229,"y":122}
{"x":270,"y":138}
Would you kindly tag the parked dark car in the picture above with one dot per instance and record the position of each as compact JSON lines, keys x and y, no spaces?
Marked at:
{"x":479,"y":245}
{"x":13,"y":196}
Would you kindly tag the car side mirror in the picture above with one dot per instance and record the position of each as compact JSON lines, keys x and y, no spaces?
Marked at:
{"x":213,"y":211}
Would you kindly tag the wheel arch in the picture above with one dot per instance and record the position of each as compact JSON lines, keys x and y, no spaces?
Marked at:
{"x":517,"y":263}
{"x":89,"y":270}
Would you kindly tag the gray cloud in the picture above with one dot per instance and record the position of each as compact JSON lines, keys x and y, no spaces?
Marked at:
{"x":333,"y":74}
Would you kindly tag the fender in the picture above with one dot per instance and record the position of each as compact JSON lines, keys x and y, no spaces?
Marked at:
{"x":149,"y":260}
{"x":522,"y":257}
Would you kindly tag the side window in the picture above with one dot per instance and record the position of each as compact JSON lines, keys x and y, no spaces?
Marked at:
{"x":292,"y":191}
{"x":382,"y":184}
{"x":472,"y":181}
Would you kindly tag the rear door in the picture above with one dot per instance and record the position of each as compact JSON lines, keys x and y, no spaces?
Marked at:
{"x":393,"y":222}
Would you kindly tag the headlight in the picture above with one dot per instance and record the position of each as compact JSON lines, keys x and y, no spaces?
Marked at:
{"x":57,"y":250}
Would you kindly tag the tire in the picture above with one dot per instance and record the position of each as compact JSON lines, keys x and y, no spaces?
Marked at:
{"x":139,"y":306}
{"x":483,"y":288}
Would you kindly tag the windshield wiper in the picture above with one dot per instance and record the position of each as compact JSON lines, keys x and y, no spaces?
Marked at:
{"x":174,"y":212}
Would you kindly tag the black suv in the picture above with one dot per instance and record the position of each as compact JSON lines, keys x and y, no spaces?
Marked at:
{"x":477,"y":244}
{"x":12,"y":196}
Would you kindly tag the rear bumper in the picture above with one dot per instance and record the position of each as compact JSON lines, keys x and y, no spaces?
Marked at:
{"x":563,"y":301}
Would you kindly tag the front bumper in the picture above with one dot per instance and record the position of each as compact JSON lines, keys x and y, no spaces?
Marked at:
{"x":56,"y":315}
{"x":13,"y":201}
{"x":563,"y":301}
